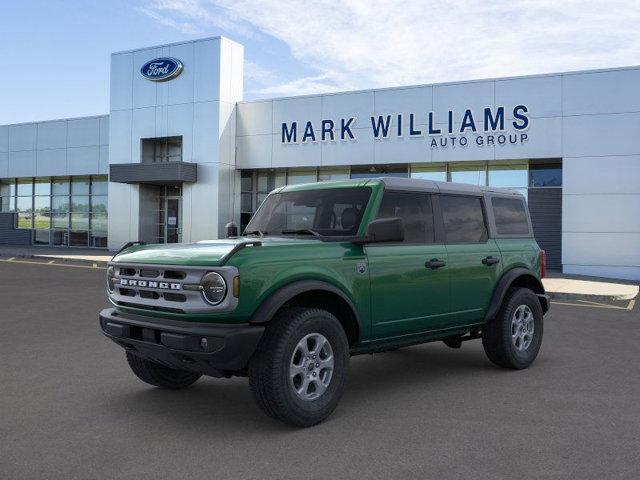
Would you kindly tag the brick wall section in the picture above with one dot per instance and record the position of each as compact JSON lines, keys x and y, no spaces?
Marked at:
{"x":9,"y":234}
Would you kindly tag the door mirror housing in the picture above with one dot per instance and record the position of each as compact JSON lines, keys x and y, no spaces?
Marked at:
{"x":385,"y":230}
{"x":231,"y":229}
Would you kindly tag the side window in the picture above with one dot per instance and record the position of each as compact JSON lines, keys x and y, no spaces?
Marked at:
{"x":463,"y":219}
{"x":510,"y":215}
{"x":415,"y":211}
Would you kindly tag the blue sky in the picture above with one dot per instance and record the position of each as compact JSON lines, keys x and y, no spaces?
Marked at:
{"x":55,"y":54}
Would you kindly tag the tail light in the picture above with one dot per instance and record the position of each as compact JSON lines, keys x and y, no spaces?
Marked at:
{"x":543,"y":263}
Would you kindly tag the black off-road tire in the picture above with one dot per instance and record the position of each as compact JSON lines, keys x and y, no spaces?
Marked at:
{"x":269,"y":374}
{"x":159,"y":375}
{"x":497,"y":333}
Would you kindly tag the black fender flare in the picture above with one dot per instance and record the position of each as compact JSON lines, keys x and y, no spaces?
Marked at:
{"x":277,"y":299}
{"x":506,"y":281}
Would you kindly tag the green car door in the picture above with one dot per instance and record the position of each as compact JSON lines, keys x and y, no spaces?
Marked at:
{"x":474,"y":260}
{"x":409,"y":280}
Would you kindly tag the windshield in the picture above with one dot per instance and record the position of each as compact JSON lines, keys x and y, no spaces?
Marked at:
{"x":326,"y":212}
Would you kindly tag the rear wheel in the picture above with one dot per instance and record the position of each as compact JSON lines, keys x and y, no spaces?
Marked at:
{"x":512,"y":339}
{"x":159,"y":375}
{"x":299,"y":370}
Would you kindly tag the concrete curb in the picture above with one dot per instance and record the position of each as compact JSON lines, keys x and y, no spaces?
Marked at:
{"x":53,"y":260}
{"x":590,"y":298}
{"x":603,"y":290}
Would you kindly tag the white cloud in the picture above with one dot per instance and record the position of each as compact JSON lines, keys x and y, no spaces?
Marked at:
{"x":373,"y":43}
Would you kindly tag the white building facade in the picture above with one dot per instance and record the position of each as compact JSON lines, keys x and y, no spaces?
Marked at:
{"x":180,"y":154}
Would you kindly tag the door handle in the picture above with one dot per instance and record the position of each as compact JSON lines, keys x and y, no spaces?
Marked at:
{"x":434,"y":263}
{"x":490,"y":260}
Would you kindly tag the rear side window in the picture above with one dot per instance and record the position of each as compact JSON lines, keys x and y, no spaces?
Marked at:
{"x":510,"y":215}
{"x":415,"y":211}
{"x":463,"y":219}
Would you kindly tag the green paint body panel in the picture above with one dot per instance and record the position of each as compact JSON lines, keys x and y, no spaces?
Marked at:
{"x":397,"y":299}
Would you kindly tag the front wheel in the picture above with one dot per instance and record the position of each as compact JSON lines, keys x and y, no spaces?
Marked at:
{"x":299,"y":370}
{"x":512,"y":339}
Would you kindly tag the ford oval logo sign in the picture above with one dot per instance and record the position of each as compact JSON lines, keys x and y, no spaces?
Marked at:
{"x":162,"y":69}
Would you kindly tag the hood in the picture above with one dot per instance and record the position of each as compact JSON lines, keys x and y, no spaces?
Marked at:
{"x":205,"y":253}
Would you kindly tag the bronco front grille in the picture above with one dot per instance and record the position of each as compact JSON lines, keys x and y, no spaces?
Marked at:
{"x":161,"y":288}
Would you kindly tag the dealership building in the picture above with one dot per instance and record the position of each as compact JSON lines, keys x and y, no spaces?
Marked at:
{"x":180,"y":154}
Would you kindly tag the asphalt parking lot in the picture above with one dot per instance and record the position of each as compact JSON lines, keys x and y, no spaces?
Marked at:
{"x":70,"y":408}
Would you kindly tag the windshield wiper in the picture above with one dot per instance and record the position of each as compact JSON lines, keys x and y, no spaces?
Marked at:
{"x":301,"y":231}
{"x":255,"y":232}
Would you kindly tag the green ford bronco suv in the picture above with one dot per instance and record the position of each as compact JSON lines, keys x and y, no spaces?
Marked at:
{"x":328,"y":270}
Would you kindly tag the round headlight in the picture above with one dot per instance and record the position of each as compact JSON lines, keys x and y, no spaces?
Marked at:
{"x":214,"y":288}
{"x":111,"y":274}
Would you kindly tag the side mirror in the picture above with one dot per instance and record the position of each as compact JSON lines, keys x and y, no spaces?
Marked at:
{"x":232,"y":229}
{"x":385,"y":230}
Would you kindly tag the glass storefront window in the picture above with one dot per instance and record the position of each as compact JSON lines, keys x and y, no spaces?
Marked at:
{"x":99,"y":185}
{"x":80,"y":221}
{"x":78,"y":239}
{"x":98,"y":222}
{"x":98,"y":239}
{"x":42,"y":186}
{"x":80,"y":203}
{"x":475,"y":174}
{"x":42,"y":237}
{"x":508,"y":175}
{"x":99,"y":204}
{"x":302,"y":175}
{"x":24,"y":207}
{"x":60,"y":237}
{"x":545,"y":175}
{"x":436,"y":172}
{"x":60,"y":186}
{"x":374,"y":171}
{"x":60,"y":220}
{"x":325,"y":174}
{"x":80,"y":186}
{"x":60,"y":204}
{"x":25,"y":188}
{"x":42,"y":212}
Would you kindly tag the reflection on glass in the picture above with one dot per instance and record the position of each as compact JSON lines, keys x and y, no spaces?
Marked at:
{"x":545,"y":175}
{"x":25,"y":187}
{"x":42,"y":209}
{"x":508,"y":175}
{"x":99,"y":185}
{"x":325,"y":174}
{"x":80,"y":186}
{"x":42,"y":186}
{"x":374,"y":171}
{"x":436,"y":172}
{"x":80,"y":203}
{"x":60,"y":220}
{"x":99,"y":222}
{"x":299,"y":176}
{"x":60,"y":186}
{"x":99,"y":204}
{"x":42,"y":237}
{"x":60,"y":237}
{"x":472,"y":175}
{"x":78,"y":239}
{"x":80,"y":221}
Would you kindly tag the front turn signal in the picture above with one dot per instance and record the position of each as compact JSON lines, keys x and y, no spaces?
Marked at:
{"x":236,"y":287}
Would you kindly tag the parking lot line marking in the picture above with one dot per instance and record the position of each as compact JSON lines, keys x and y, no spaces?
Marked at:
{"x":49,"y":264}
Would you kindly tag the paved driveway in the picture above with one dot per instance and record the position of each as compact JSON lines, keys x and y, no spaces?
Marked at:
{"x":70,"y":408}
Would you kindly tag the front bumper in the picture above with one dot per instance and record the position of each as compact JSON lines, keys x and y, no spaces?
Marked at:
{"x":211,"y":349}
